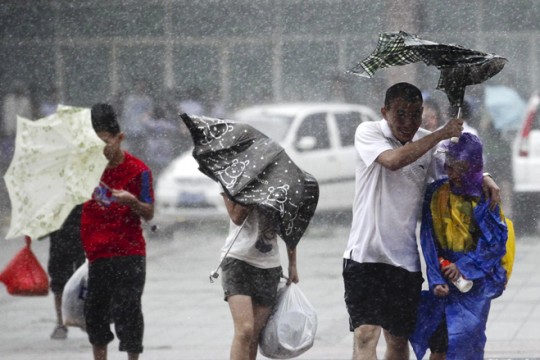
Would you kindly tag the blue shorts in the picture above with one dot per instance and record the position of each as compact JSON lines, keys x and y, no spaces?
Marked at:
{"x":383,"y":295}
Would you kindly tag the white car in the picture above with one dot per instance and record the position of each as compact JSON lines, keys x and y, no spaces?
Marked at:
{"x":526,"y":169}
{"x":319,"y":137}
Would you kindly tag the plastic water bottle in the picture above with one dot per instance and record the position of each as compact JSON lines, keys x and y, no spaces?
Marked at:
{"x":461,"y":283}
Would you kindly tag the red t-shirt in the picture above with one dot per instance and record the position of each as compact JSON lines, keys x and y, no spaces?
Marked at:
{"x":109,"y":229}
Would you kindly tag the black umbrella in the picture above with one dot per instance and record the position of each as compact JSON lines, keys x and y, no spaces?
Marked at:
{"x":459,"y":66}
{"x":255,"y":170}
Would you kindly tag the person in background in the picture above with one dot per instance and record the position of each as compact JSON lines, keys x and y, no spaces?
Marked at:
{"x":381,"y":267}
{"x":251,"y":271}
{"x":137,"y":108}
{"x":162,"y":135}
{"x":49,"y":102}
{"x":66,"y":255}
{"x":192,"y":102}
{"x":468,"y":115}
{"x":16,"y":102}
{"x":113,"y":241}
{"x":478,"y":242}
{"x":431,"y":115}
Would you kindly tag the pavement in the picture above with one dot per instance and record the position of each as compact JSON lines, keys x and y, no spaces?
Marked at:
{"x":186,"y":317}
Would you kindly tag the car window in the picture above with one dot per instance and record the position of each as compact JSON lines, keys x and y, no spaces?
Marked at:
{"x":274,"y":126}
{"x":347,"y":124}
{"x":314,"y":126}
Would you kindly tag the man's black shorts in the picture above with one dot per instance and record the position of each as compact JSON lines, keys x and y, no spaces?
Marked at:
{"x":381,"y":294}
{"x":115,"y":288}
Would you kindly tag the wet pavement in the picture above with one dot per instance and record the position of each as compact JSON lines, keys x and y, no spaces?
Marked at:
{"x":186,"y":317}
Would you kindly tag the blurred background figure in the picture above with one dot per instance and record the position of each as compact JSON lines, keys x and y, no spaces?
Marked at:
{"x":137,"y":108}
{"x":16,"y":102}
{"x":504,"y":112}
{"x":49,"y":102}
{"x":191,"y":102}
{"x":431,"y":116}
{"x":213,"y":105}
{"x":470,"y":116}
{"x":162,"y":135}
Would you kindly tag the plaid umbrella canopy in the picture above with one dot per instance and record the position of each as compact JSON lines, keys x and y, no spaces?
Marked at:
{"x":459,"y":66}
{"x":255,"y":170}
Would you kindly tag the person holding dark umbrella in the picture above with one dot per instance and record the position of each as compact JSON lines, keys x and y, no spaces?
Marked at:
{"x":251,"y":273}
{"x":266,"y":195}
{"x":381,"y":269}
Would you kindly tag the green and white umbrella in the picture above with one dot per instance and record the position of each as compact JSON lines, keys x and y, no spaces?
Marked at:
{"x":459,"y":66}
{"x":57,"y":164}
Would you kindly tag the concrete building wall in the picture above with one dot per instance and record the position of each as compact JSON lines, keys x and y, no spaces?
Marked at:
{"x":249,"y":51}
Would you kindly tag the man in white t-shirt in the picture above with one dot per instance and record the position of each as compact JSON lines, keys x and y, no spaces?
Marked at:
{"x":381,"y":268}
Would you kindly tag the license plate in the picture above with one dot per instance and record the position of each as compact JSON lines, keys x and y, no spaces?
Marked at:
{"x":190,"y":199}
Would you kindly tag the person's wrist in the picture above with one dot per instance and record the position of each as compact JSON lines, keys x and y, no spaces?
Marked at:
{"x":487,"y":174}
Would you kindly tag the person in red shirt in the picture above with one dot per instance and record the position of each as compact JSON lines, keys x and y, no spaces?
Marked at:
{"x":113,"y":241}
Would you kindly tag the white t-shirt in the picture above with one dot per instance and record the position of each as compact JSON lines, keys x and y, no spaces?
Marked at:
{"x":256,"y":243}
{"x":387,"y":204}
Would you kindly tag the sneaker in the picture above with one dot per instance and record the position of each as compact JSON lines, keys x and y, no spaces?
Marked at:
{"x":59,"y":333}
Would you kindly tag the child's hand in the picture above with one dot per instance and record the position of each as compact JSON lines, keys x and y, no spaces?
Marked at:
{"x":441,"y":290}
{"x":124,"y":197}
{"x":451,"y":272}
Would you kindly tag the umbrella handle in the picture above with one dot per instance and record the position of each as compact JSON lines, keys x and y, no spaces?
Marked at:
{"x":456,"y":139}
{"x":214,"y":274}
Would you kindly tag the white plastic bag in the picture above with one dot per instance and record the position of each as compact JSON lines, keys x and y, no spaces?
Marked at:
{"x":74,"y":297}
{"x":291,"y":328}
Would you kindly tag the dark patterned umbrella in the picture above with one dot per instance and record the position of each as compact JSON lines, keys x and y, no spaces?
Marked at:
{"x":459,"y":66}
{"x":255,"y":170}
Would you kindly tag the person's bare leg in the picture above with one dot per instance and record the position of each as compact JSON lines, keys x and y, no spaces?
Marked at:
{"x":260,"y":316}
{"x":58,"y":308}
{"x":242,"y":313}
{"x":100,"y":352}
{"x":60,"y":331}
{"x":133,"y":356}
{"x":366,"y":338}
{"x":397,"y":347}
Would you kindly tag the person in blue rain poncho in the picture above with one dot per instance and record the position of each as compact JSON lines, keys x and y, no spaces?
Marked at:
{"x":459,"y":226}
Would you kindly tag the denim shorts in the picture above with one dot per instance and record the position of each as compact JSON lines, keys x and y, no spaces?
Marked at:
{"x":383,"y":295}
{"x":240,"y":278}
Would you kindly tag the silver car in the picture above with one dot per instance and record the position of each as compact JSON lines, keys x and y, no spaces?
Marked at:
{"x":319,"y":137}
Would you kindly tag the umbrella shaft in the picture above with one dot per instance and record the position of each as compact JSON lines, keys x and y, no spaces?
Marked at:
{"x":232,"y":243}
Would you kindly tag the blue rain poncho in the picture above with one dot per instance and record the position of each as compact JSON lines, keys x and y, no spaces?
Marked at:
{"x":481,"y":243}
